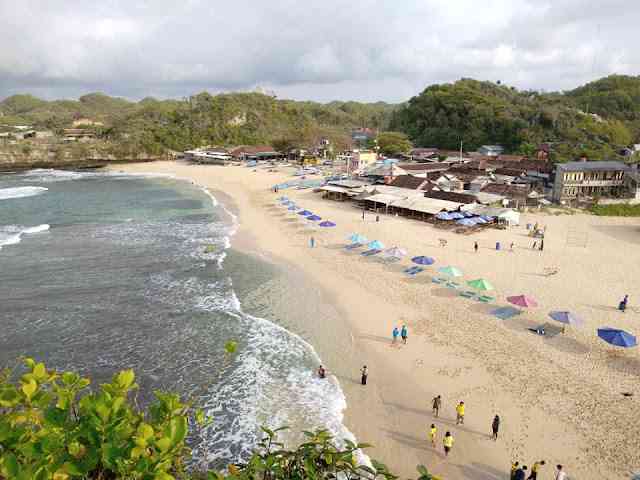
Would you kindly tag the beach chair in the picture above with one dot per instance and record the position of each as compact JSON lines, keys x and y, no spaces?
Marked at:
{"x":468,"y":294}
{"x":485,"y":299}
{"x":353,"y":246}
{"x":413,"y":271}
{"x":373,"y":251}
{"x":438,"y":280}
{"x":453,"y":285}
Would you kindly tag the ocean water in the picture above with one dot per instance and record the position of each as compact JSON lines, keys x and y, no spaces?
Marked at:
{"x":101,"y":272}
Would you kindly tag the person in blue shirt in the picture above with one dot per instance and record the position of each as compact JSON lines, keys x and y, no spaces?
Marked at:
{"x":404,"y":334}
{"x":395,"y":334}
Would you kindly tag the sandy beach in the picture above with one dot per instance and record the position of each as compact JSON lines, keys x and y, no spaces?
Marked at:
{"x":560,"y":399}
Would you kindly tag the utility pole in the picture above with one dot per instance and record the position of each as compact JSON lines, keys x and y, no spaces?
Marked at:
{"x":460,"y":151}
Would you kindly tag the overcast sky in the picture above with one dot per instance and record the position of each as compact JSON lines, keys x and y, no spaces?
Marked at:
{"x":307,"y":49}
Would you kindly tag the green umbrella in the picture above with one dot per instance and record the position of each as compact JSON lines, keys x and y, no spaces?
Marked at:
{"x":480,"y":284}
{"x":451,"y":271}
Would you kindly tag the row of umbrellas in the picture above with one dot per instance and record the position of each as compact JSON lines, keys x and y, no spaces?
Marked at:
{"x":612,"y":336}
{"x":293,"y":208}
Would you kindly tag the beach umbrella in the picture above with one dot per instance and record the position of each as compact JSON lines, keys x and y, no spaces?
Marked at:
{"x":314,"y":218}
{"x":468,"y":214}
{"x":480,"y":284}
{"x":394,"y":252}
{"x":357,"y":238}
{"x":327,"y":224}
{"x":451,"y":271}
{"x":305,"y":213}
{"x":616,"y":337}
{"x":422,"y":260}
{"x":292,"y":208}
{"x":375,"y":245}
{"x":522,"y":301}
{"x":504,"y":313}
{"x":567,"y":318}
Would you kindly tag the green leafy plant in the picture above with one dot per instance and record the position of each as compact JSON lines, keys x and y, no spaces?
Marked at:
{"x":53,"y":426}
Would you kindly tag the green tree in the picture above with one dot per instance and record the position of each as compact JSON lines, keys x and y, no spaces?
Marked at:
{"x":392,"y":143}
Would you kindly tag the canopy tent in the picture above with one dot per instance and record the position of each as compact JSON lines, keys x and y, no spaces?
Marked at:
{"x":450,"y":271}
{"x":567,"y":318}
{"x":375,"y":245}
{"x":357,"y":238}
{"x":480,"y":284}
{"x":422,"y":260}
{"x":504,"y":313}
{"x":394,"y":252}
{"x":444,"y":216}
{"x":305,"y":213}
{"x":523,"y":301}
{"x":616,"y":337}
{"x":327,"y":224}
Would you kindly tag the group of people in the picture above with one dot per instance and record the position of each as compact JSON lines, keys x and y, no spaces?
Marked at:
{"x":403,"y":333}
{"x":519,"y":472}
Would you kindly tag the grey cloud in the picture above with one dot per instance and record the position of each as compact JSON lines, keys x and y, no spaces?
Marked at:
{"x":366,"y":50}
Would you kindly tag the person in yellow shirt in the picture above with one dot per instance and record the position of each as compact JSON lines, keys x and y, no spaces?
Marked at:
{"x":432,"y":434}
{"x":460,"y":413}
{"x":447,"y":441}
{"x":536,"y":469}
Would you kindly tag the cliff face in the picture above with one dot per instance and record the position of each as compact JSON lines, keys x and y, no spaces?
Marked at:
{"x":29,"y":156}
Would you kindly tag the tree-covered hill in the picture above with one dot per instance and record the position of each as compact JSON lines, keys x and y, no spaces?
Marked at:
{"x":597,"y":119}
{"x":478,"y":113}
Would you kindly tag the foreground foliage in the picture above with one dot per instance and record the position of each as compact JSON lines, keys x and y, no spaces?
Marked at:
{"x":53,"y":426}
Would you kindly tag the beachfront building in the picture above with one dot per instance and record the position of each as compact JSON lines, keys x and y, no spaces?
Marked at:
{"x":361,"y":160}
{"x":589,"y":179}
{"x":213,"y":156}
{"x":424,"y":154}
{"x":256,"y":152}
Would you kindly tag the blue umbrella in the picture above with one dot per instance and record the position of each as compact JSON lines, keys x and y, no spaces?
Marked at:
{"x":375,"y":245}
{"x":468,"y":214}
{"x":616,"y":337}
{"x":292,"y":208}
{"x":314,"y":218}
{"x":504,"y":313}
{"x":443,"y":216}
{"x":357,"y":238}
{"x":327,"y":223}
{"x":456,"y":215}
{"x":305,"y":213}
{"x":422,"y":260}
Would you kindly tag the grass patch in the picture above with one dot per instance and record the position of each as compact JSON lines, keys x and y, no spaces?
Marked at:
{"x":619,"y":210}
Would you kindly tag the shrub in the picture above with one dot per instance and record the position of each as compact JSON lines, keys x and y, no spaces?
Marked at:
{"x":53,"y":426}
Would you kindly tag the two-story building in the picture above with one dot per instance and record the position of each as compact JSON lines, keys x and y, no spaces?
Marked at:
{"x":589,"y":179}
{"x":361,"y":160}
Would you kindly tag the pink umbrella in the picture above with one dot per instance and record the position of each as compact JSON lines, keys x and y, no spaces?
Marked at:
{"x":523,"y":301}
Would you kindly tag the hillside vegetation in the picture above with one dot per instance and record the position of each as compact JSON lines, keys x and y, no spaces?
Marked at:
{"x":597,"y":119}
{"x":478,"y":113}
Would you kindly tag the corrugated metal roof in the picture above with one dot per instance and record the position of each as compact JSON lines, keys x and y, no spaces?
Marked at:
{"x":592,"y":166}
{"x":427,"y":205}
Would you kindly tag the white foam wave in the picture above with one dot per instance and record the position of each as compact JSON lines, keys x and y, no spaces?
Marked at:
{"x":20,"y":192}
{"x":12,"y":234}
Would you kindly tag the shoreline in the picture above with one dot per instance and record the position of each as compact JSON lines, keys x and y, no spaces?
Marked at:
{"x":393,"y":412}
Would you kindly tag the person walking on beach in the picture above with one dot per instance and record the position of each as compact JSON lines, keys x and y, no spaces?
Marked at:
{"x":623,"y":304}
{"x":520,"y":473}
{"x":447,"y":441}
{"x":433,"y":432}
{"x":535,"y":244}
{"x":514,"y":467}
{"x":363,"y":214}
{"x":436,"y":403}
{"x":322,"y":373}
{"x":364,"y":374}
{"x":535,"y":469}
{"x":511,"y":246}
{"x":460,"y":414}
{"x":377,"y":218}
{"x":395,"y":334}
{"x":404,"y":333}
{"x":495,"y":426}
{"x":560,"y":473}
{"x":312,"y":242}
{"x":475,"y":246}
{"x":542,"y":244}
